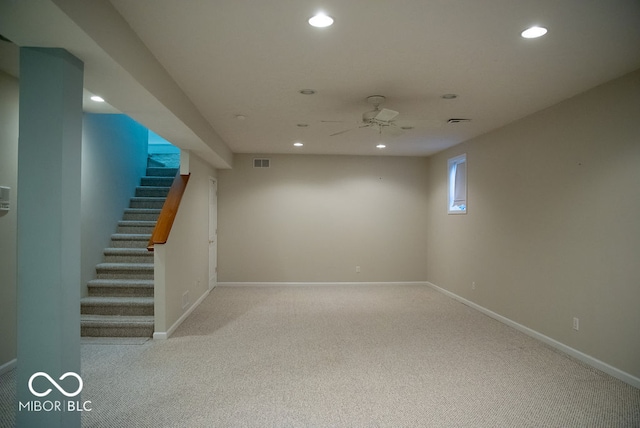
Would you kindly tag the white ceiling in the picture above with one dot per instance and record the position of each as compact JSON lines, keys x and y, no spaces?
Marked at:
{"x":241,"y":57}
{"x":186,"y":69}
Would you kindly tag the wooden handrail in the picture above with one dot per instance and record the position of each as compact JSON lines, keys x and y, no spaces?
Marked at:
{"x":169,"y":211}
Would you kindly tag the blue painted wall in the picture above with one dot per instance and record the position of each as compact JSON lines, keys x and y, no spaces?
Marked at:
{"x":114,"y":157}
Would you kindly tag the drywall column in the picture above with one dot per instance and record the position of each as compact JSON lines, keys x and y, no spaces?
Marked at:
{"x":49,"y":158}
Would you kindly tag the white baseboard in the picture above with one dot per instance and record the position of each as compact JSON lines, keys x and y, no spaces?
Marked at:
{"x":315,"y":284}
{"x":8,"y":366}
{"x":163,"y":335}
{"x":587,"y":359}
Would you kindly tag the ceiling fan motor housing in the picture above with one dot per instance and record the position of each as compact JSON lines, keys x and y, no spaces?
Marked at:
{"x":383,"y":116}
{"x":377,"y":115}
{"x":368,"y":116}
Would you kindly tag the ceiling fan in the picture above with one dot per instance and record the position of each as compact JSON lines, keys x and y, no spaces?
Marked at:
{"x":379,"y":119}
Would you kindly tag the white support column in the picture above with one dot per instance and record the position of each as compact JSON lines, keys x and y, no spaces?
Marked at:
{"x":159,"y":292}
{"x":49,"y":160}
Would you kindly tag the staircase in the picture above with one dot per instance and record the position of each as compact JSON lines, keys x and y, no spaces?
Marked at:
{"x":120,"y":300}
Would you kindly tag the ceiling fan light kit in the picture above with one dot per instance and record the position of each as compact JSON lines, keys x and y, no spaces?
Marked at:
{"x":385,"y":115}
{"x":376,"y":100}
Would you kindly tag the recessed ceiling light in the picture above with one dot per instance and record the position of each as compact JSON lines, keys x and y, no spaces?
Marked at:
{"x":449,"y":96}
{"x":307,"y":91}
{"x":381,"y":146}
{"x":534,"y":32}
{"x":320,"y":20}
{"x":298,"y":144}
{"x":241,"y":116}
{"x":97,"y":99}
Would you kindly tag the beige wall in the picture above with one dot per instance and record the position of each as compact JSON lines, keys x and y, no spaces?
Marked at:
{"x":315,"y":218}
{"x":9,"y":89}
{"x":552,"y":230}
{"x":182,"y":264}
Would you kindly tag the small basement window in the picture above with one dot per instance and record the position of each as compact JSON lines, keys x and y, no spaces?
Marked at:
{"x":457,"y":168}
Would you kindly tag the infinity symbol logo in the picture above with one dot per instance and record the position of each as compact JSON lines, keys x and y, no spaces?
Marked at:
{"x":54,"y":383}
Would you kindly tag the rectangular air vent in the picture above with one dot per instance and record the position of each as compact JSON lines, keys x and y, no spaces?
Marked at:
{"x":261,"y":163}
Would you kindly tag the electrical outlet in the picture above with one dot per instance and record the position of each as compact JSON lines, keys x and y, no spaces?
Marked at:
{"x":357,"y":269}
{"x":473,"y":285}
{"x":576,"y":323}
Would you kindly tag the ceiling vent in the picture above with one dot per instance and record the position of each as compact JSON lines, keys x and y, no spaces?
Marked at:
{"x":261,"y":163}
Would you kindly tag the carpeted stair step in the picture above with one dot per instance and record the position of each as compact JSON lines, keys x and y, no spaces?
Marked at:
{"x":157,"y":181}
{"x":152,"y":192}
{"x":116,"y":326}
{"x":136,"y":226}
{"x":127,"y":255}
{"x":153,"y":163}
{"x":121,"y":287}
{"x":120,"y":302}
{"x":137,"y":202}
{"x":116,"y":305}
{"x":161,"y":172}
{"x":163,"y":160}
{"x":125,"y":270}
{"x":141,"y":214}
{"x":130,"y":240}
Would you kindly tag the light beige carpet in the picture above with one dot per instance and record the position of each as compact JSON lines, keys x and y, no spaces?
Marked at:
{"x":353,"y":356}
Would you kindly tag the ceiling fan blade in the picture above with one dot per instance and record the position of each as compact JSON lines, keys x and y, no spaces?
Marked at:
{"x":341,"y":132}
{"x":420,"y":123}
{"x":392,"y":130}
{"x":386,"y":115}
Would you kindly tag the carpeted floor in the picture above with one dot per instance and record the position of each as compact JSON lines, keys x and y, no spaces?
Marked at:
{"x":353,"y":356}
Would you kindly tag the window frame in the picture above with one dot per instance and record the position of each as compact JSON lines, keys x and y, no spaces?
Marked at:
{"x":452,"y":166}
